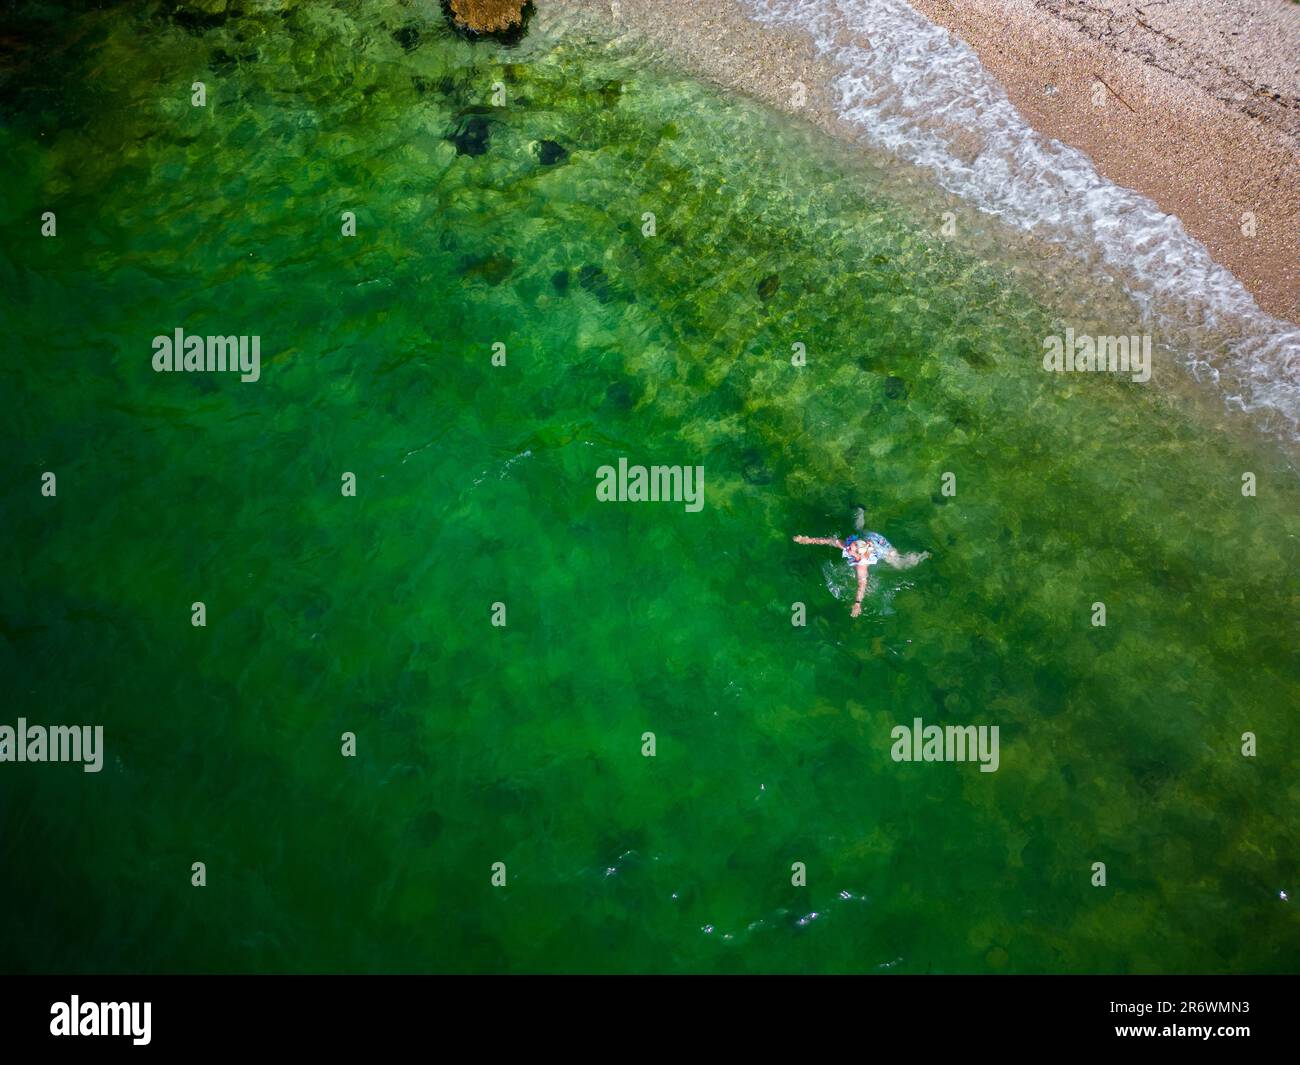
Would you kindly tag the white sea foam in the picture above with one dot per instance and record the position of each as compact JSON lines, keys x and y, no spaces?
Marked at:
{"x":918,"y":91}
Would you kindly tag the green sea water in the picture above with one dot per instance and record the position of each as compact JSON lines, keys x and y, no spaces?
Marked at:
{"x":522,"y":744}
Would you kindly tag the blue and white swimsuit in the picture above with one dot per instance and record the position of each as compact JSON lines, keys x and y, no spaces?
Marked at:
{"x":877,"y":548}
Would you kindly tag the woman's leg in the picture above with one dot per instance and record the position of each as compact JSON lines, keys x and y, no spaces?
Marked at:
{"x":898,"y":560}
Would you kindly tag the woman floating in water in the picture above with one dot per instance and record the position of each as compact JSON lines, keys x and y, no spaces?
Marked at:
{"x":862,"y":551}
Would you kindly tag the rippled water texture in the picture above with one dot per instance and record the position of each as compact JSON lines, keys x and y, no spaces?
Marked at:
{"x":523,"y":225}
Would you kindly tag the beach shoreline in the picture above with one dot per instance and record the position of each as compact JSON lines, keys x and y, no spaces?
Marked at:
{"x":1208,"y":122}
{"x":1216,"y":145}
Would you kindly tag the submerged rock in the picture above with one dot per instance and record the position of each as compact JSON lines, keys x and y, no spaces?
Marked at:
{"x":560,"y":280}
{"x":471,"y":136}
{"x":408,"y":37}
{"x":895,"y":387}
{"x":593,"y":279}
{"x":491,"y":268}
{"x":503,"y":21}
{"x":973,"y":356}
{"x":549,"y":153}
{"x":619,"y":395}
{"x":753,"y":469}
{"x":768,"y":286}
{"x":222,"y":62}
{"x":196,"y":18}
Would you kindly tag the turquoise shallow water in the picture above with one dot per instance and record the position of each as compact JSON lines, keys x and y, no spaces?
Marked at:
{"x":476,"y":485}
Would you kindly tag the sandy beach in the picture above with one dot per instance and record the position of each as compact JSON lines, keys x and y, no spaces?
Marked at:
{"x":1200,"y":110}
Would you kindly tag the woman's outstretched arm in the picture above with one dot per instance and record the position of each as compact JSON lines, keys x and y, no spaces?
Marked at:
{"x":829,"y":541}
{"x":862,"y":589}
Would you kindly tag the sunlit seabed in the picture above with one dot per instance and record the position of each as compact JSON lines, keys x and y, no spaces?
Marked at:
{"x":476,"y":485}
